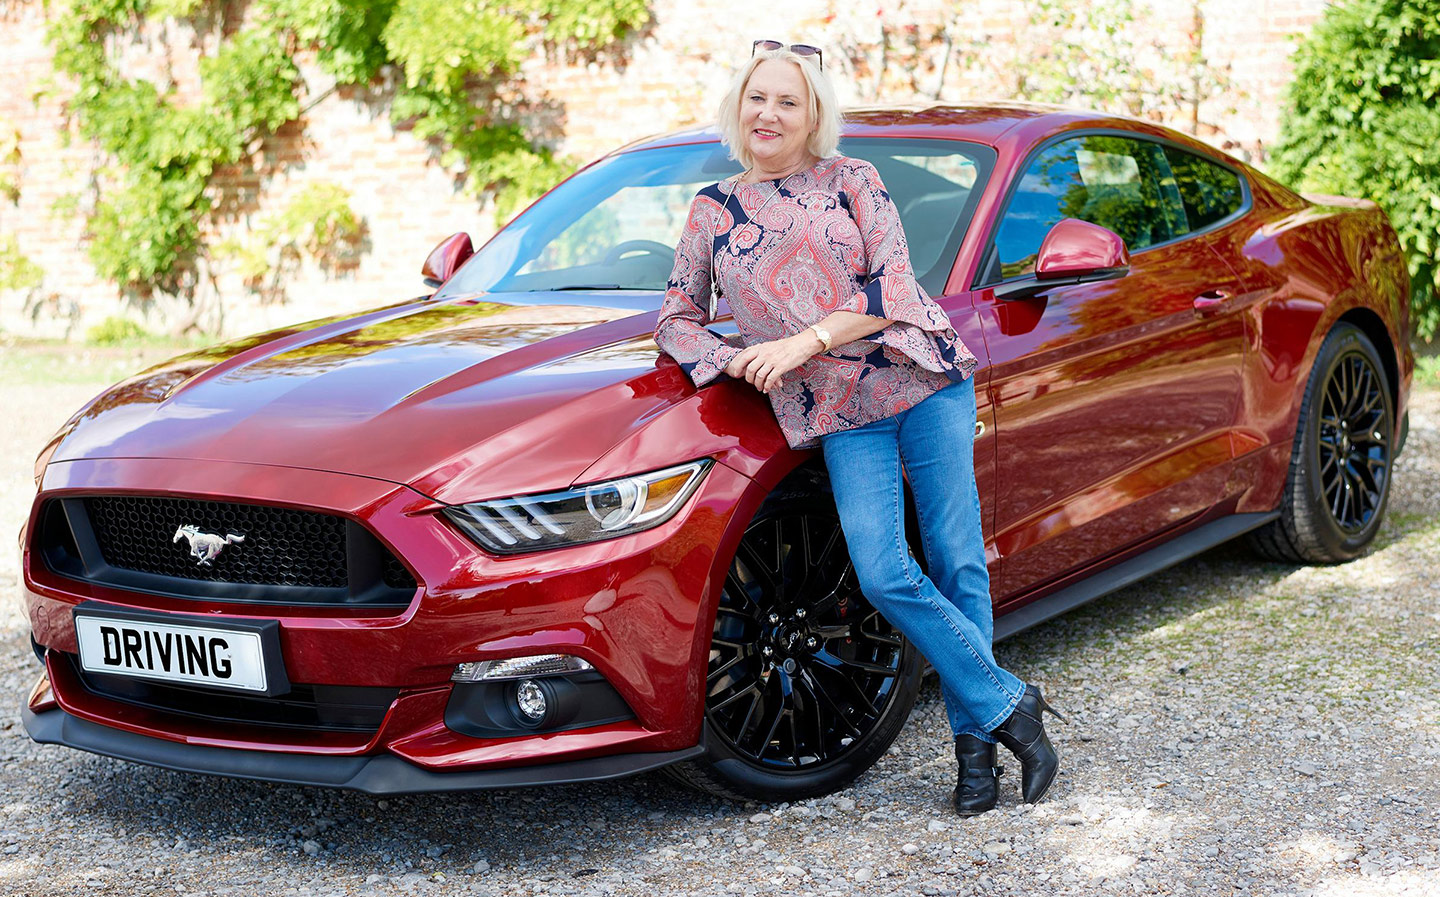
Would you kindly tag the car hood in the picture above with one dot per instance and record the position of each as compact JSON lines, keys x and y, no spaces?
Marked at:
{"x":461,"y":399}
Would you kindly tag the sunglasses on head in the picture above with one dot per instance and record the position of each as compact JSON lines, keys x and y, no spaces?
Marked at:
{"x":797,"y":49}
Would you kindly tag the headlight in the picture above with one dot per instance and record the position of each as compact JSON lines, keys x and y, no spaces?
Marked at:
{"x":583,"y":514}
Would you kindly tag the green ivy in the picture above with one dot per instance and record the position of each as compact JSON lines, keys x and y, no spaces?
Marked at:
{"x":17,"y":272}
{"x":318,"y":224}
{"x":1362,"y":119}
{"x":146,"y":223}
{"x":9,"y":163}
{"x":344,"y":33}
{"x":455,"y":62}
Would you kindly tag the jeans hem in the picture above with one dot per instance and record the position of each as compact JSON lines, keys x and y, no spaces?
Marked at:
{"x":1014,"y":702}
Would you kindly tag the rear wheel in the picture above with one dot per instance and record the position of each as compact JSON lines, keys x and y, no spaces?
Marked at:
{"x":1339,"y":479}
{"x":807,"y":684}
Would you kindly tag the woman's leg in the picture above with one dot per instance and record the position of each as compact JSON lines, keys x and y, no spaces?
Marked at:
{"x":937,"y":451}
{"x":936,"y":447}
{"x":864,"y":465}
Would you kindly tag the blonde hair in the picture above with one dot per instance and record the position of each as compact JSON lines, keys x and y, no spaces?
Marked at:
{"x":824,"y":107}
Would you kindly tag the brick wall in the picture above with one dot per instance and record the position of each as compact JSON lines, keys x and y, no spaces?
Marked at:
{"x":673,"y":75}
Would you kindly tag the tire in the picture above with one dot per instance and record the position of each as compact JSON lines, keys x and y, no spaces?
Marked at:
{"x":1338,"y":483}
{"x":837,"y":685}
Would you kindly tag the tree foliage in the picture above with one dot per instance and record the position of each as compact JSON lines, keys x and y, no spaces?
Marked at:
{"x":454,"y":62}
{"x":1362,"y":119}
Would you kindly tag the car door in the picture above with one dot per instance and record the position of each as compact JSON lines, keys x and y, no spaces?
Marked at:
{"x":1112,"y":400}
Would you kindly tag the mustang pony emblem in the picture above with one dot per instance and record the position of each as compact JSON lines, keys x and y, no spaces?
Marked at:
{"x":205,"y":547}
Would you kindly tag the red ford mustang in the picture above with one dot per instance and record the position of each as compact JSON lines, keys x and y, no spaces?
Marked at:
{"x":490,"y":537}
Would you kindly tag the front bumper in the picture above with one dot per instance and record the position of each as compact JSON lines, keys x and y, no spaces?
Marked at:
{"x":638,"y":608}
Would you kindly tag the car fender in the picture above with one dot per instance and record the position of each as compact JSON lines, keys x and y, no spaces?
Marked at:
{"x":1349,"y":270}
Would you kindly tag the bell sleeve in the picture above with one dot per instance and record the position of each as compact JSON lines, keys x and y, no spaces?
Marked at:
{"x":680,"y":330}
{"x":921,"y":329}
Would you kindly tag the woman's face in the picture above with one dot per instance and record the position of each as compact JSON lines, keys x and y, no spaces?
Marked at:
{"x":775,"y":114}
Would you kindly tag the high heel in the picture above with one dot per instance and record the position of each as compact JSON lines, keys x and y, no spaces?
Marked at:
{"x":979,"y":784}
{"x":1023,"y":732}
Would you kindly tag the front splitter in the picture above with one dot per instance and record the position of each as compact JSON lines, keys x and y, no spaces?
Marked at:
{"x":378,"y":774}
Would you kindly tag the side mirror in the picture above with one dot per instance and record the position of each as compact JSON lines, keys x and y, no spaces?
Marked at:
{"x":446,"y":258}
{"x":1076,"y":248}
{"x":1074,"y":251}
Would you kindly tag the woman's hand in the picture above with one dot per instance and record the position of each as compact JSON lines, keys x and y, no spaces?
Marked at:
{"x":763,"y":363}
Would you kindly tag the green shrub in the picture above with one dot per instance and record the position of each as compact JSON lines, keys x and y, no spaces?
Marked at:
{"x":1362,"y":119}
{"x":114,"y":331}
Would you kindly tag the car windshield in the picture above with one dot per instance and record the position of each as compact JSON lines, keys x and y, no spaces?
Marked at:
{"x":614,"y":225}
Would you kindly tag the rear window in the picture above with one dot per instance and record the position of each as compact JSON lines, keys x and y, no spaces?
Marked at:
{"x":1209,"y":192}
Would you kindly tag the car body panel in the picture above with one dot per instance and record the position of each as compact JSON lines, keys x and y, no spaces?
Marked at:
{"x":1113,"y":412}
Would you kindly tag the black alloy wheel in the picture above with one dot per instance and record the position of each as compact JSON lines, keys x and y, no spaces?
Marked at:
{"x":1338,"y":483}
{"x":1354,"y":442}
{"x":807,"y":684}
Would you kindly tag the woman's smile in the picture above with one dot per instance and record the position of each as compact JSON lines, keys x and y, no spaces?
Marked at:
{"x":775,"y":112}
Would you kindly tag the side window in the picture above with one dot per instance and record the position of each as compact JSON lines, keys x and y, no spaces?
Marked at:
{"x":1116,"y":182}
{"x":1210,"y":192}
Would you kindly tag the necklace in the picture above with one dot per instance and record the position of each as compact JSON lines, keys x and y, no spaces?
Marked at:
{"x":714,"y":256}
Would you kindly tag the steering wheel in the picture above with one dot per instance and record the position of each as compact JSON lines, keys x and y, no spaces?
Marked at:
{"x":649,"y":247}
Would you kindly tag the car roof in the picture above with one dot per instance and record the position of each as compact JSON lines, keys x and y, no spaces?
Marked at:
{"x":982,"y":122}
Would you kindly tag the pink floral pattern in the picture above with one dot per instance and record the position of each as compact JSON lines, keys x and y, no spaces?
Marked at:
{"x":788,"y":255}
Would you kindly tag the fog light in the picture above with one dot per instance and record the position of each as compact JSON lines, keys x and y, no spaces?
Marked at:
{"x":531,"y":702}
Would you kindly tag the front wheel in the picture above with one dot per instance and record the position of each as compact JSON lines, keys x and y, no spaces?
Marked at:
{"x":807,"y":684}
{"x":1338,"y":483}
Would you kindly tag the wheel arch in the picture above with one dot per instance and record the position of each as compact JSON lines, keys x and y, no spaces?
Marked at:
{"x":1370,"y":324}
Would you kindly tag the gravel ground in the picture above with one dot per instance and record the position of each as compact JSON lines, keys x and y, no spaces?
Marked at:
{"x":1235,"y":727}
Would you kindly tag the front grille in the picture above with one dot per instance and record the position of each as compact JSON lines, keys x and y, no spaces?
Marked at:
{"x":270,"y":554}
{"x":340,"y":708}
{"x":279,"y":546}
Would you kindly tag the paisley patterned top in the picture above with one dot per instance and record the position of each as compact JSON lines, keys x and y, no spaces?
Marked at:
{"x":789,"y":252}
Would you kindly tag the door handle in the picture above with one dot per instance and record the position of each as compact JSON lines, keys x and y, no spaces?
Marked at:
{"x":1210,"y":300}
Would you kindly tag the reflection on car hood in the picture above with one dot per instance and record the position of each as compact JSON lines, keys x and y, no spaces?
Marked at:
{"x":429,"y":394}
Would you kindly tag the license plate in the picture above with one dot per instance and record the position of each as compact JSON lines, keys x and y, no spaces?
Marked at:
{"x":169,"y":648}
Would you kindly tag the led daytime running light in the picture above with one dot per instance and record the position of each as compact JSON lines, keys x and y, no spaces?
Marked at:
{"x":519,"y":668}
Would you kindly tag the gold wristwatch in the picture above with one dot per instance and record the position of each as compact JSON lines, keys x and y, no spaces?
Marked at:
{"x":821,"y":334}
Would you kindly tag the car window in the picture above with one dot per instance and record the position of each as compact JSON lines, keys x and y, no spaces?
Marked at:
{"x":615,"y":224}
{"x":929,"y":191}
{"x":1119,"y":183}
{"x":1209,"y":192}
{"x":633,"y":215}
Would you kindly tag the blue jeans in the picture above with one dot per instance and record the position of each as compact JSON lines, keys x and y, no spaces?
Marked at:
{"x":947,"y":615}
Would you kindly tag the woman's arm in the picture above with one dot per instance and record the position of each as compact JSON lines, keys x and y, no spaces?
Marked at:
{"x":763,"y":363}
{"x":890,"y":289}
{"x":680,"y":329}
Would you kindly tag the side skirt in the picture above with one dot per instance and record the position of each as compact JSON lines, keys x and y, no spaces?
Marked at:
{"x":1129,"y":571}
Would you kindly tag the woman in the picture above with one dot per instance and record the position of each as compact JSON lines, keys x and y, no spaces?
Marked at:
{"x":807,"y":247}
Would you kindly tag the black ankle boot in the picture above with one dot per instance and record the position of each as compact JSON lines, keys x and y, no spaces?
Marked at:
{"x":1024,"y":734}
{"x":979,"y":783}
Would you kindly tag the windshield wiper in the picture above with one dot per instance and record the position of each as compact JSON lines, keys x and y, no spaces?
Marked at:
{"x":581,"y":286}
